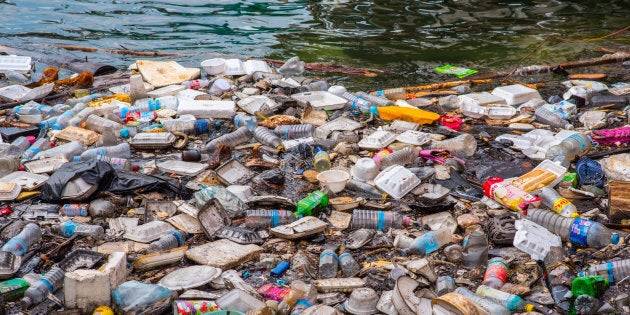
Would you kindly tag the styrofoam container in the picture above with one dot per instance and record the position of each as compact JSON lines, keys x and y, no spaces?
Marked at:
{"x":214,"y":66}
{"x":234,"y":172}
{"x":15,"y":63}
{"x":239,"y":300}
{"x":188,"y":94}
{"x":473,"y":110}
{"x":45,"y":165}
{"x":534,"y":239}
{"x":339,"y":124}
{"x":377,"y":140}
{"x":27,"y":180}
{"x":9,"y":191}
{"x":189,"y":277}
{"x":554,"y":168}
{"x":257,"y":103}
{"x":516,"y":94}
{"x":401,"y":125}
{"x":234,"y":67}
{"x":182,"y":167}
{"x":500,"y":112}
{"x":207,"y":108}
{"x":166,"y":91}
{"x":480,"y":99}
{"x":243,"y":192}
{"x":153,"y":140}
{"x":149,"y":232}
{"x":396,"y":181}
{"x":414,"y":137}
{"x":253,"y":65}
{"x":320,"y":100}
{"x":520,"y":142}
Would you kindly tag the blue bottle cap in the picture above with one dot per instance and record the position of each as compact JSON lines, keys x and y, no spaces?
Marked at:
{"x":614,"y":239}
{"x":56,"y":127}
{"x":76,"y":158}
{"x":124,"y":133}
{"x":374,"y":110}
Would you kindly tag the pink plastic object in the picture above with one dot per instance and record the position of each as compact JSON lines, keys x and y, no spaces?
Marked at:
{"x":380,"y":154}
{"x":31,"y":139}
{"x":439,"y":156}
{"x":616,"y":136}
{"x":270,"y":292}
{"x":452,"y":122}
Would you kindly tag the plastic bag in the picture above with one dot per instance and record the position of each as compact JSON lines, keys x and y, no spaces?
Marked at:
{"x":134,"y":294}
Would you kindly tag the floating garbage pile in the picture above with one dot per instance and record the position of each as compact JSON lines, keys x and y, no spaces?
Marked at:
{"x":255,"y":190}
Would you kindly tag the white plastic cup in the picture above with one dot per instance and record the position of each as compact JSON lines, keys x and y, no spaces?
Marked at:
{"x":213,"y":66}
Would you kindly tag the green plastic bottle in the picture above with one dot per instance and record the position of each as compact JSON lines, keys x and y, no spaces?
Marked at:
{"x":13,"y":289}
{"x":312,"y":204}
{"x":591,"y":285}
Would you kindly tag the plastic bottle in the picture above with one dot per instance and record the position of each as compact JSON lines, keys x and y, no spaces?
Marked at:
{"x":328,"y":264}
{"x":508,"y":195}
{"x":84,"y":99}
{"x":444,"y":284}
{"x":512,"y":302}
{"x":13,"y":289}
{"x":149,"y":105}
{"x":101,"y":208}
{"x":320,"y":85}
{"x":38,"y":291}
{"x":19,"y":145}
{"x":294,"y":131}
{"x":321,"y":160}
{"x":578,"y":231}
{"x":575,"y":145}
{"x":559,"y":276}
{"x":375,"y":100}
{"x":40,"y":144}
{"x":81,"y":116}
{"x":298,"y":290}
{"x":552,"y":119}
{"x":475,"y":249}
{"x":64,"y":119}
{"x":267,"y":137}
{"x":117,"y":163}
{"x":8,"y":164}
{"x":349,"y":266}
{"x":591,"y":285}
{"x":48,"y":123}
{"x":185,"y":123}
{"x":74,"y":210}
{"x":196,"y":84}
{"x":312,"y":204}
{"x":101,"y":124}
{"x":29,"y":115}
{"x":241,"y":120}
{"x":70,"y":228}
{"x":241,"y":135}
{"x":614,"y":271}
{"x":120,"y":151}
{"x":171,"y":240}
{"x":19,"y":244}
{"x":365,"y":188}
{"x":268,"y":218}
{"x":558,"y":204}
{"x":357,"y":102}
{"x":419,"y":116}
{"x":378,"y":220}
{"x":429,"y":242}
{"x":401,"y":157}
{"x":487,"y":305}
{"x":68,"y":150}
{"x":462,"y":145}
{"x":496,"y":273}
{"x":392,"y":94}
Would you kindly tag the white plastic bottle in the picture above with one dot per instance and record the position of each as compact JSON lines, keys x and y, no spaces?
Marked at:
{"x":81,"y":116}
{"x":573,"y":146}
{"x":120,"y":151}
{"x":558,"y":204}
{"x":101,"y":124}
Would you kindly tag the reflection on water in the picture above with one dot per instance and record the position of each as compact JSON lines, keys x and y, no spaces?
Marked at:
{"x":408,"y":37}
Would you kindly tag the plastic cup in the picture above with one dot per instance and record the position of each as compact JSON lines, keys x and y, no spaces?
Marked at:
{"x":335,"y":180}
{"x":362,"y":301}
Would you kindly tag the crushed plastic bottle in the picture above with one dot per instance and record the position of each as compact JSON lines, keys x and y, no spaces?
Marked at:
{"x":378,"y":220}
{"x":294,"y":131}
{"x":268,"y":218}
{"x":575,"y":145}
{"x":240,"y":136}
{"x":267,"y":137}
{"x":39,"y":145}
{"x":429,"y":242}
{"x":496,"y":273}
{"x":349,"y":266}
{"x":552,"y":119}
{"x":486,"y":304}
{"x":19,"y":244}
{"x":321,"y":161}
{"x":69,"y":228}
{"x":37,"y":293}
{"x":171,"y":240}
{"x":241,"y":120}
{"x":119,"y":151}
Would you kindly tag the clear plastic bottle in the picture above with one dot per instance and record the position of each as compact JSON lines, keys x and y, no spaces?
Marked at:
{"x":375,"y":100}
{"x":321,"y":160}
{"x":185,"y":123}
{"x":29,"y":115}
{"x":268,"y":218}
{"x":196,"y":84}
{"x":429,"y":242}
{"x":267,"y":137}
{"x":298,"y":290}
{"x":312,"y":204}
{"x":462,"y":145}
{"x":19,"y":244}
{"x":68,"y":150}
{"x":64,"y":119}
{"x":558,"y":204}
{"x":101,"y":124}
{"x":578,"y":231}
{"x":117,"y":163}
{"x":39,"y":145}
{"x":401,"y":157}
{"x":19,"y":145}
{"x":512,"y":302}
{"x":241,"y":135}
{"x":102,"y":208}
{"x":74,"y":209}
{"x":320,"y":85}
{"x":379,"y":220}
{"x":81,"y":116}
{"x":48,"y":123}
{"x":120,"y":151}
{"x":294,"y":131}
{"x":84,"y":99}
{"x":70,"y":228}
{"x":38,"y":291}
{"x":365,"y":188}
{"x":349,"y":266}
{"x":392,"y":94}
{"x":552,"y":119}
{"x":357,"y":102}
{"x":575,"y":145}
{"x":496,"y":273}
{"x":242,"y":120}
{"x":8,"y":164}
{"x":475,"y":249}
{"x":328,"y":264}
{"x":148,"y":105}
{"x":614,"y":271}
{"x":487,"y":305}
{"x":171,"y":240}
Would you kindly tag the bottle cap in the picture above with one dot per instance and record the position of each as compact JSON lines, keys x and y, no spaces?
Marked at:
{"x":574,"y":215}
{"x":76,"y":158}
{"x":488,"y":184}
{"x":135,"y":167}
{"x":124,"y":133}
{"x":374,"y":110}
{"x":529,"y":307}
{"x":614,"y":238}
{"x":30,"y":139}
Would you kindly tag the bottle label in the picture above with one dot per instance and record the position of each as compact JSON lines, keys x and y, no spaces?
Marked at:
{"x":429,"y":242}
{"x":496,"y":269}
{"x":580,"y":140}
{"x":560,"y":204}
{"x":20,"y":245}
{"x":329,"y":253}
{"x":13,"y":288}
{"x":380,"y":224}
{"x":68,"y":229}
{"x":275,"y":218}
{"x":579,"y":231}
{"x":380,"y":93}
{"x":48,"y":284}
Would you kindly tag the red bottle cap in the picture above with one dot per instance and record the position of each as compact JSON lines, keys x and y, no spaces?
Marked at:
{"x":452,"y":122}
{"x":488,"y":184}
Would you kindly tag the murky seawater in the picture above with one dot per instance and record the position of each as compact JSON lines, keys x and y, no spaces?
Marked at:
{"x":408,"y":38}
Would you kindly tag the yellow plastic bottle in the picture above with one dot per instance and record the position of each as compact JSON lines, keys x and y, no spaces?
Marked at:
{"x":416,"y":115}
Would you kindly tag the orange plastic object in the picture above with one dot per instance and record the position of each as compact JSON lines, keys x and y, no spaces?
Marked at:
{"x":416,"y":115}
{"x":106,"y":100}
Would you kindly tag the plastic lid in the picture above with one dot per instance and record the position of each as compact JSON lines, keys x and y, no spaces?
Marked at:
{"x":529,"y":307}
{"x":124,"y":133}
{"x":614,"y":238}
{"x":30,"y":139}
{"x":574,"y":215}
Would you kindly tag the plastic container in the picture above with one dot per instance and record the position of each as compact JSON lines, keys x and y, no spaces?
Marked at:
{"x":15,"y":63}
{"x":9,"y":191}
{"x":38,"y":292}
{"x":349,"y":266}
{"x":240,"y":136}
{"x":480,"y":99}
{"x":321,"y":160}
{"x":294,"y":131}
{"x":69,"y":228}
{"x":508,"y":195}
{"x":463,"y":145}
{"x":365,"y":169}
{"x":401,"y":157}
{"x":268,"y":218}
{"x":414,"y":137}
{"x":516,"y":94}
{"x":578,"y":231}
{"x":328,"y":264}
{"x":149,"y":232}
{"x":119,"y":151}
{"x":475,"y":249}
{"x":362,"y":301}
{"x":8,"y":164}
{"x":378,"y":220}
{"x":513,"y":303}
{"x":496,"y":273}
{"x":575,"y":145}
{"x":377,"y":140}
{"x":239,"y":300}
{"x":171,"y":240}
{"x":185,"y":123}
{"x":334,"y":180}
{"x":429,"y":242}
{"x":39,"y":145}
{"x":100,"y":124}
{"x":614,"y":271}
{"x":320,"y":100}
{"x":489,"y":306}
{"x":68,"y":151}
{"x":545,"y":174}
{"x":560,"y":205}
{"x":534,"y":239}
{"x":153,"y":140}
{"x":241,"y":120}
{"x":189,"y":277}
{"x":552,"y":119}
{"x":19,"y":244}
{"x":312,"y":204}
{"x":267,"y":137}
{"x":396,"y":181}
{"x":214,"y":66}
{"x":182,"y":167}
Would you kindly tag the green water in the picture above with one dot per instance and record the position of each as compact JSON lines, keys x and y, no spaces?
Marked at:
{"x":406,"y":38}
